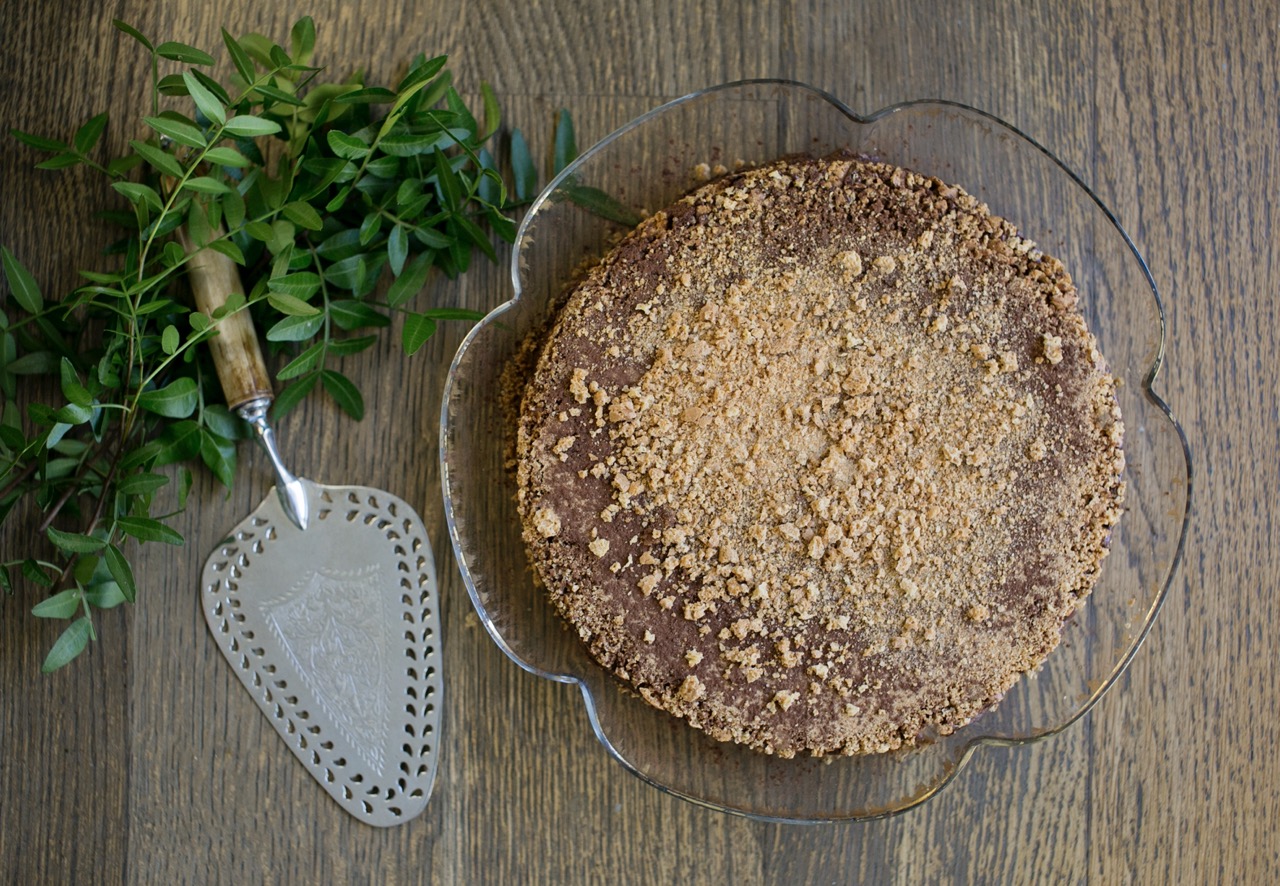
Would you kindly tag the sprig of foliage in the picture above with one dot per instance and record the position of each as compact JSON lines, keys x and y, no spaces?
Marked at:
{"x":337,"y":199}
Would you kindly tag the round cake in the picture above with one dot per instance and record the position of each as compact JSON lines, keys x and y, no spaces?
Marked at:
{"x":820,"y":458}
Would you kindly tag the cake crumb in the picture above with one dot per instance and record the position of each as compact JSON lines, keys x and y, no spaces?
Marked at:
{"x":691,"y":689}
{"x":546,"y":523}
{"x":1052,"y":348}
{"x":599,"y":547}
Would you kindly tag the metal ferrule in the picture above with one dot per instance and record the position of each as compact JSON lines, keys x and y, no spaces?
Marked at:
{"x":293,"y":495}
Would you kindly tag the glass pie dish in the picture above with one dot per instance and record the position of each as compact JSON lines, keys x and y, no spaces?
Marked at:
{"x":647,"y":165}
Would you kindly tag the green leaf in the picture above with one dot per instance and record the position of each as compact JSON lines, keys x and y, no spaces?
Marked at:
{"x":417,"y":329}
{"x":185,"y":481}
{"x":502,"y":226}
{"x":21,"y":283}
{"x":450,"y":189}
{"x":296,"y":328}
{"x":233,"y":210}
{"x":302,"y":284}
{"x":291,"y":305}
{"x":74,"y":542}
{"x":432,"y":239}
{"x":219,"y":419}
{"x":13,"y":437}
{"x":250,"y":126}
{"x":303,"y":363}
{"x":282,"y":236}
{"x":522,"y":168}
{"x":346,"y":146}
{"x":349,"y":315}
{"x":476,"y":235}
{"x":39,"y":142}
{"x":279,"y":57}
{"x":87,"y":135}
{"x":239,"y":58}
{"x":490,"y":188}
{"x":302,"y":40}
{"x":454,"y":314}
{"x":410,"y":281}
{"x":219,"y":456}
{"x":229,"y":249}
{"x":345,"y":274}
{"x":259,"y":48}
{"x":34,"y":363}
{"x":234,"y":302}
{"x":397,"y":249}
{"x":344,"y":393}
{"x":147,"y":529}
{"x":106,"y":595}
{"x":169,"y":339}
{"x":144,"y":453}
{"x":369,"y":228}
{"x":132,"y":32}
{"x":412,"y":144}
{"x":181,"y":52}
{"x":206,"y":102}
{"x":61,"y":161}
{"x":182,"y":133}
{"x":172,"y":85}
{"x":120,"y":571}
{"x":259,"y":231}
{"x":492,"y":113}
{"x":72,"y":388}
{"x":345,"y":346}
{"x":72,"y":415}
{"x":343,"y":244}
{"x":600,"y":203}
{"x":224,"y":155}
{"x":303,"y":215}
{"x":338,"y":200}
{"x":138,"y":193}
{"x":161,"y":161}
{"x":372,"y":95}
{"x":141,"y":483}
{"x":178,"y":399}
{"x":421,"y":73}
{"x":293,"y":394}
{"x":204,"y":184}
{"x":63,"y":604}
{"x":279,"y":95}
{"x":70,"y":644}
{"x":36,"y":574}
{"x":566,"y":146}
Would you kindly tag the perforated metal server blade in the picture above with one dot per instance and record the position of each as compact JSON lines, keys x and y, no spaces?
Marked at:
{"x":334,"y":632}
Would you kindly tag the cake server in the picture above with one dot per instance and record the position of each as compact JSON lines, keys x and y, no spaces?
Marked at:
{"x":324,"y":601}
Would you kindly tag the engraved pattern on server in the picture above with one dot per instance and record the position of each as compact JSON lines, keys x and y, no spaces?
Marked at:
{"x":237,"y":583}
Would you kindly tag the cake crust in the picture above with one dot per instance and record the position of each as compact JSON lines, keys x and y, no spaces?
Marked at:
{"x":821,"y":458}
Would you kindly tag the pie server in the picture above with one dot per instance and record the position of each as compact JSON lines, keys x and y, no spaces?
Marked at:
{"x":324,"y":601}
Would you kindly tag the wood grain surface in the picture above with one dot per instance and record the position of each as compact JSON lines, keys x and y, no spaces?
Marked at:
{"x":145,"y":762}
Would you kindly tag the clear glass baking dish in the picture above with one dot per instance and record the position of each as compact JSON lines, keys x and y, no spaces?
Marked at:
{"x":646,"y":165}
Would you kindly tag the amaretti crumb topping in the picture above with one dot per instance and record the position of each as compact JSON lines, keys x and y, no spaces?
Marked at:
{"x":821,"y":458}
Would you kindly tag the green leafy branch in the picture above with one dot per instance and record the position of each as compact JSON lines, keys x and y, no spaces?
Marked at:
{"x":338,"y":200}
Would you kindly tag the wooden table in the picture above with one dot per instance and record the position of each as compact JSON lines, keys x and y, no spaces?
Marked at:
{"x":145,"y":761}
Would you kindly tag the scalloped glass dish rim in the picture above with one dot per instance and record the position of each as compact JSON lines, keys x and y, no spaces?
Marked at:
{"x":977,"y":740}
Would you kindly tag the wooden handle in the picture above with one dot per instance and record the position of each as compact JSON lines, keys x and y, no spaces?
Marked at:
{"x":235,"y":348}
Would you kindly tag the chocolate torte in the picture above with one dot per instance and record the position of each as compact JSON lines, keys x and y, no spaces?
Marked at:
{"x":820,"y":458}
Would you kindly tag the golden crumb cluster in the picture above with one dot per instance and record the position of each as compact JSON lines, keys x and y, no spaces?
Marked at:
{"x":820,"y":458}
